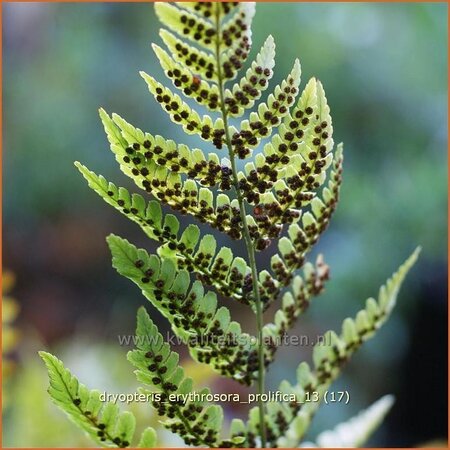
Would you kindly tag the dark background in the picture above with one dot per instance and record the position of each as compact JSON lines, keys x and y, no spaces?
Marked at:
{"x":384,"y":68}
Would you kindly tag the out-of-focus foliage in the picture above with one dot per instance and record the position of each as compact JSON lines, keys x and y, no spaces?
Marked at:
{"x":385,"y":68}
{"x":10,"y":335}
{"x":354,"y":432}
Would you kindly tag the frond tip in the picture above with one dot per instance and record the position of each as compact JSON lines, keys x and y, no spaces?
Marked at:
{"x":330,"y":356}
{"x":102,"y":421}
{"x":256,"y":80}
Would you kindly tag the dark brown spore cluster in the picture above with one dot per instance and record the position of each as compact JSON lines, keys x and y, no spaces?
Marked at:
{"x":312,"y":286}
{"x":193,"y":87}
{"x":242,"y":141}
{"x":196,"y":29}
{"x":100,"y":427}
{"x":305,"y":238}
{"x":199,"y":62}
{"x":325,"y":373}
{"x":212,"y":343}
{"x":189,"y":420}
{"x":298,"y":187}
{"x":207,"y":173}
{"x":225,"y":218}
{"x":248,"y":91}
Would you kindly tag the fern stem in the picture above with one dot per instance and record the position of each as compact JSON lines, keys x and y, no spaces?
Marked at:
{"x":247,"y":238}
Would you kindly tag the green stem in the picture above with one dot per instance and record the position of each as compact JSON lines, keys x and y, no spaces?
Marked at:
{"x":247,"y":238}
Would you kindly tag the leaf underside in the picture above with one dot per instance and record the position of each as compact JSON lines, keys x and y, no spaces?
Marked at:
{"x":289,"y":191}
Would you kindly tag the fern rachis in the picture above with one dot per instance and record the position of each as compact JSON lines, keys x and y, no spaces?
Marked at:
{"x":286,"y":193}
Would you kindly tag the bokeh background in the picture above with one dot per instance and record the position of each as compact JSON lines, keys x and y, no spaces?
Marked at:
{"x":384,"y":67}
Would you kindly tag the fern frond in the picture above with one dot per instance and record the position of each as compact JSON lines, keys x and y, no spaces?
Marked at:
{"x":139,"y":154}
{"x":184,"y":79}
{"x":147,"y":215}
{"x":256,"y":80}
{"x":103,"y":422}
{"x":308,"y":169}
{"x":294,"y":182}
{"x":268,"y":115}
{"x":228,"y":274}
{"x":233,"y":58}
{"x":182,"y":114}
{"x":184,"y":197}
{"x":158,"y":367}
{"x":356,"y":431}
{"x":298,"y":153}
{"x":286,"y":207}
{"x":199,"y":62}
{"x":330,"y":355}
{"x":208,"y":331}
{"x":295,"y":302}
{"x":148,"y":438}
{"x":186,"y":24}
{"x":203,"y":63}
{"x":207,"y":9}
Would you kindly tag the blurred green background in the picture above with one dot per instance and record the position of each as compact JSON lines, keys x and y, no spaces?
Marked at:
{"x":384,"y":68}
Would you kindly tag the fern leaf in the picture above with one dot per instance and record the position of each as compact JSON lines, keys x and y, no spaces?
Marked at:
{"x":148,"y":438}
{"x":236,"y":30}
{"x":295,"y":302}
{"x":193,"y":314}
{"x":298,"y":154}
{"x":287,"y":208}
{"x":207,"y":9}
{"x":356,"y":431}
{"x":184,"y":79}
{"x":328,"y":357}
{"x":209,"y":266}
{"x":316,"y":147}
{"x":147,"y":215}
{"x":235,"y":56}
{"x":314,"y":223}
{"x":103,"y":422}
{"x":182,"y":197}
{"x":184,"y":115}
{"x":199,"y":62}
{"x":230,"y":280}
{"x":186,"y":24}
{"x":157,"y":366}
{"x":203,"y":63}
{"x":249,"y":89}
{"x":139,"y":154}
{"x":301,"y":238}
{"x":268,"y":115}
